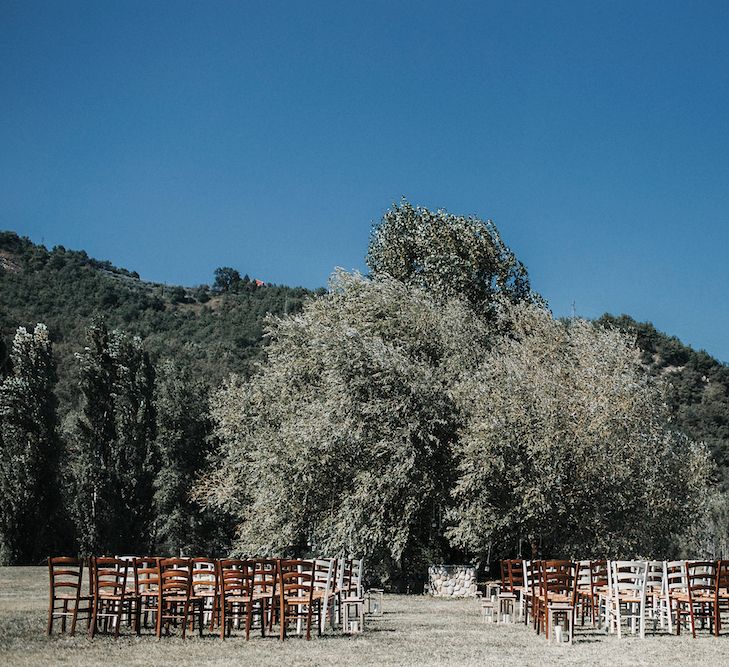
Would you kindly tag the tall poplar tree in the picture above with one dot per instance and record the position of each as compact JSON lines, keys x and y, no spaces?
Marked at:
{"x":113,"y":452}
{"x":29,"y":448}
{"x":185,"y":442}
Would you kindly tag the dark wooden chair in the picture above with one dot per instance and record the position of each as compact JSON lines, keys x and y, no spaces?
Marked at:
{"x":205,"y":587}
{"x":66,"y":596}
{"x":557,"y":585}
{"x":146,"y":586}
{"x":235,"y":581}
{"x":111,"y":597}
{"x":698,"y":600}
{"x":175,"y":601}
{"x":296,"y":596}
{"x":264,"y":589}
{"x":721,"y":595}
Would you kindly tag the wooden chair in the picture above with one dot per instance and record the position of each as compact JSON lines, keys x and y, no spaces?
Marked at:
{"x":235,"y":581}
{"x":205,"y":587}
{"x":325,"y":587}
{"x":583,"y":590}
{"x":530,"y":591}
{"x":66,"y":581}
{"x":721,"y":597}
{"x":698,"y":601}
{"x":557,"y":587}
{"x":627,"y":595}
{"x":655,"y":607}
{"x":175,"y":601}
{"x":508,"y":598}
{"x":674,"y":587}
{"x":265,"y":582}
{"x":111,"y":598}
{"x":296,"y":596}
{"x":146,"y":586}
{"x":515,"y":571}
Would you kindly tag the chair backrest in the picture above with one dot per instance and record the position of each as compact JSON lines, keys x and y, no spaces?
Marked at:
{"x":536,"y":570}
{"x":628,"y":577}
{"x":109,"y":576}
{"x":701,"y":578}
{"x":674,"y":577}
{"x":349,"y":576}
{"x":325,"y":574}
{"x":355,"y":580}
{"x":296,"y":579}
{"x":204,"y":576}
{"x":66,"y":574}
{"x":526,"y":567}
{"x":599,"y":574}
{"x":235,"y":576}
{"x":265,"y":576}
{"x":505,"y":586}
{"x":654,"y":580}
{"x":558,"y":577}
{"x":146,"y":576}
{"x":515,"y":569}
{"x":584,"y":576}
{"x":722,"y":577}
{"x":174,"y":576}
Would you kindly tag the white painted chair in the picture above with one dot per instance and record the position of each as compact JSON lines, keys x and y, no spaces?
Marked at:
{"x":628,"y":579}
{"x":325,"y":572}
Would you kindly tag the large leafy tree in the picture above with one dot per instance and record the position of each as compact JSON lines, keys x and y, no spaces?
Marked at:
{"x":566,"y":448}
{"x":344,"y":439}
{"x":450,"y":256}
{"x":29,"y":449}
{"x":113,"y":452}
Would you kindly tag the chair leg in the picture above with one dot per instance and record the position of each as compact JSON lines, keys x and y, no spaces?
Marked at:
{"x":73,"y":618}
{"x":118,"y":618}
{"x":94,"y":616}
{"x":249,"y":613}
{"x":160,"y":611}
{"x":185,"y":610}
{"x":50,"y":617}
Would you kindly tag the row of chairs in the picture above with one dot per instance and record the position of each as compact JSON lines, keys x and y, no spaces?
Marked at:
{"x":201,"y":592}
{"x":669,"y":594}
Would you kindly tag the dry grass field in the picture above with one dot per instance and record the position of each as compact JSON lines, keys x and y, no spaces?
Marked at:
{"x":413,"y":631}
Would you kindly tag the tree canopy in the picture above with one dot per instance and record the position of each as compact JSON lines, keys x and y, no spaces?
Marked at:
{"x":450,"y":256}
{"x":567,"y":448}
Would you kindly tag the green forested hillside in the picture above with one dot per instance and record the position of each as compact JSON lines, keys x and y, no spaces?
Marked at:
{"x":698,"y":393}
{"x":210,"y":331}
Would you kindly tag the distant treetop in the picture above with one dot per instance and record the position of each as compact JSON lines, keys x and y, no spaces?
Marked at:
{"x":448,"y":255}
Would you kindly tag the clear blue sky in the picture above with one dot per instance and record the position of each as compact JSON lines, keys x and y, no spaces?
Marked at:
{"x":172,"y":138}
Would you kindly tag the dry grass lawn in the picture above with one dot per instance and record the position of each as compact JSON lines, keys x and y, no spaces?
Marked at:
{"x":414,"y":631}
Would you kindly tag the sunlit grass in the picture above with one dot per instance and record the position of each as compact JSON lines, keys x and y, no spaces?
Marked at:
{"x":414,"y":631}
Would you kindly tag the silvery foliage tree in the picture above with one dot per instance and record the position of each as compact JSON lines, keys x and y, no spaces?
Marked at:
{"x":29,"y":448}
{"x":566,"y":447}
{"x":113,"y":450}
{"x":343,"y":441}
{"x":450,"y":256}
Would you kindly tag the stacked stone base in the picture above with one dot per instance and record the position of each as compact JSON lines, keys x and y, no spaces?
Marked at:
{"x":458,"y":581}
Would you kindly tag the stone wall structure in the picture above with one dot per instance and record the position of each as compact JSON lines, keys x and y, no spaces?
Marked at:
{"x":451,"y":581}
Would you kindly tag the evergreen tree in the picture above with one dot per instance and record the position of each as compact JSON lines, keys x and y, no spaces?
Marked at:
{"x":29,"y":449}
{"x":114,"y":461}
{"x":184,"y":443}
